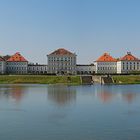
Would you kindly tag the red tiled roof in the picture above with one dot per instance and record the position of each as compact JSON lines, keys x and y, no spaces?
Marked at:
{"x":2,"y":59}
{"x":17,"y":57}
{"x":62,"y":51}
{"x":6,"y":57}
{"x":106,"y":58}
{"x":129,"y":57}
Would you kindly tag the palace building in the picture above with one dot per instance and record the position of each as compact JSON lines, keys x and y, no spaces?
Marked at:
{"x":85,"y":69}
{"x":62,"y":61}
{"x":2,"y":65}
{"x":17,"y":64}
{"x":37,"y":69}
{"x":128,"y":64}
{"x":106,"y":64}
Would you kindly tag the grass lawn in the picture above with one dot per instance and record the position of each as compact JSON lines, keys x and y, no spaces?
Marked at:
{"x":39,"y":79}
{"x":127,"y":79}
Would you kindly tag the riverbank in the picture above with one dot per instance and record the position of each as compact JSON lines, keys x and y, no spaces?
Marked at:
{"x":65,"y":80}
{"x":126,"y":79}
{"x":39,"y":79}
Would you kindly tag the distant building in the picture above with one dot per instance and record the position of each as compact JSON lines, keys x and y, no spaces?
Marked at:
{"x":62,"y":61}
{"x":86,"y":69}
{"x":16,"y":64}
{"x":128,"y":64}
{"x":106,"y":64}
{"x":37,"y":69}
{"x":2,"y":65}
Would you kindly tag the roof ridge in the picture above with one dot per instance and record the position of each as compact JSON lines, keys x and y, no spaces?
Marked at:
{"x":106,"y":57}
{"x":17,"y":57}
{"x":1,"y":58}
{"x":61,"y":51}
{"x":129,"y":57}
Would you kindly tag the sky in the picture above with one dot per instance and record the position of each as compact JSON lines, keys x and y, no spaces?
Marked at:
{"x":88,"y":28}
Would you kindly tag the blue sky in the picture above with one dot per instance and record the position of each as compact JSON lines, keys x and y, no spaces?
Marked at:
{"x":88,"y":27}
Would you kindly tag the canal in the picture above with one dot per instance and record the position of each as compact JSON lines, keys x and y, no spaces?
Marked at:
{"x":56,"y":112}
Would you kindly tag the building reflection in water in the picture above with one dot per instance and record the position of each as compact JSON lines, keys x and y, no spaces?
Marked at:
{"x":106,"y":94}
{"x":15,"y":92}
{"x":129,"y":97}
{"x":61,"y":95}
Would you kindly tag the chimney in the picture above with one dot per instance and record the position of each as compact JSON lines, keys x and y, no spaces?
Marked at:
{"x":129,"y":53}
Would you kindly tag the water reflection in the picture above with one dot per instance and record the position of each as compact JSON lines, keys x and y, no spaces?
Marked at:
{"x":61,"y":94}
{"x":15,"y":92}
{"x":69,"y":112}
{"x":108,"y":93}
{"x":129,"y":97}
{"x":105,"y":96}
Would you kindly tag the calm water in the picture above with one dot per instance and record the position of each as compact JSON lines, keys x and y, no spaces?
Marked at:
{"x":44,"y":112}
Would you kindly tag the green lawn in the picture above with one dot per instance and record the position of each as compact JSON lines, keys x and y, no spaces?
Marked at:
{"x":127,"y":79}
{"x":39,"y":79}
